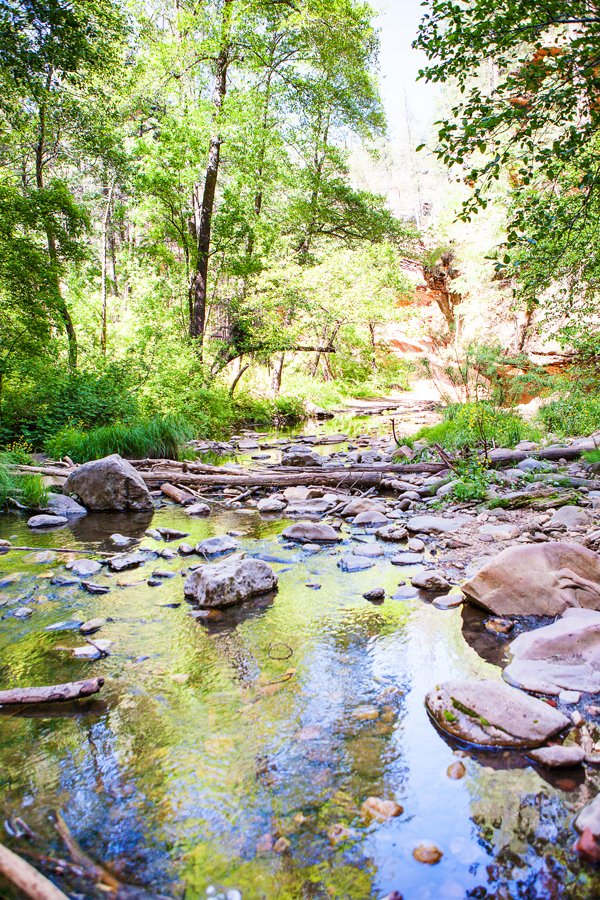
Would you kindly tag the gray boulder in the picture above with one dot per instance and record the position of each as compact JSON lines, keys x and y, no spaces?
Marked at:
{"x":371,"y":517}
{"x":564,"y":655}
{"x":85,"y":567}
{"x":302,"y":458}
{"x":60,"y":505}
{"x":504,"y":532}
{"x":537,"y":580}
{"x":109,"y":483}
{"x":491,"y":714}
{"x":215,"y":546}
{"x":311,"y":533}
{"x":198,"y":509}
{"x":271,"y":505}
{"x":46,"y":521}
{"x":230,"y":581}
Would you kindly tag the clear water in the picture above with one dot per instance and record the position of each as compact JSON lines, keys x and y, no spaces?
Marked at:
{"x":185,"y":786}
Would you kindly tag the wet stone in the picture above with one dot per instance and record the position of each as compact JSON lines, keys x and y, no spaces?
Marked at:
{"x":123,"y":562}
{"x":407,"y":559}
{"x":85,"y":567}
{"x":46,"y":521}
{"x":374,"y":595}
{"x":427,"y":853}
{"x":353,"y":563}
{"x":558,"y":756}
{"x":92,"y":625}
{"x":23,"y":612}
{"x":64,"y":580}
{"x":371,"y":551}
{"x":215,"y":546}
{"x":92,"y":588}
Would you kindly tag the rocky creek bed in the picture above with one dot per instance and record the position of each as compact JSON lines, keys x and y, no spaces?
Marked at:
{"x":281,"y":747}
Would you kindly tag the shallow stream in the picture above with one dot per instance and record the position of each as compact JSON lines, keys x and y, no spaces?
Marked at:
{"x":213,"y":740}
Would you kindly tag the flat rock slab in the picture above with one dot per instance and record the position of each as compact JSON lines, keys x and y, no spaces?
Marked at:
{"x":371,"y":551}
{"x":85,"y":567}
{"x":311,"y":532}
{"x":230,"y":581}
{"x":407,"y":559}
{"x":562,"y":656}
{"x":392,"y":533}
{"x":124,"y":561}
{"x":558,"y":757}
{"x":436,"y":524}
{"x":46,"y":521}
{"x":491,"y":714}
{"x":216,"y":546}
{"x":370,"y":517}
{"x":537,"y":580}
{"x":109,"y":483}
{"x":353,"y":563}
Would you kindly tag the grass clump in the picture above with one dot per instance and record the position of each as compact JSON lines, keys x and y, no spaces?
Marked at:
{"x":476,"y":425}
{"x":574,"y":414}
{"x":27,"y":489}
{"x":161,"y":437}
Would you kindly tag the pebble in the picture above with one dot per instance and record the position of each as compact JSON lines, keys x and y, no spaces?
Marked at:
{"x":314,"y":585}
{"x":577,"y":718}
{"x":382,"y":809}
{"x":456,"y":771}
{"x":427,"y":853}
{"x":23,"y":612}
{"x":92,"y":625}
{"x":375,"y":594}
{"x":569,"y":696}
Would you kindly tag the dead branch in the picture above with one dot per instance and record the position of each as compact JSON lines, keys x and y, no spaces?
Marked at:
{"x":56,"y":693}
{"x":26,"y":878}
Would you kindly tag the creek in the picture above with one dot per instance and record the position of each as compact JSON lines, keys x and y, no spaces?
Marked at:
{"x":215,"y":738}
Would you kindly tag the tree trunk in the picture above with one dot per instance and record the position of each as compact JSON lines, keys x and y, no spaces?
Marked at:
{"x":277,"y":375}
{"x":105,"y":220}
{"x":199,"y":283}
{"x":51,"y":242}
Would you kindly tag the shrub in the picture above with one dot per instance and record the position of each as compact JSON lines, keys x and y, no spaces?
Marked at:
{"x":27,"y":489}
{"x":574,"y":414}
{"x":157,"y":438}
{"x":477,"y":425}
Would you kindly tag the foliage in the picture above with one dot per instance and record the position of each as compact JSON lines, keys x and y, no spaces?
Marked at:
{"x":591,"y":456}
{"x":477,"y":425}
{"x":527,"y":116}
{"x":473,"y":482}
{"x":576,"y":413}
{"x":158,"y":438}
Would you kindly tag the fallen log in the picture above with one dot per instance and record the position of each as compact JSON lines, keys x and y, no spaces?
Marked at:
{"x":538,"y":500}
{"x":55,"y":693}
{"x":176,"y":494}
{"x":367,"y":477}
{"x":552,"y":454}
{"x":26,"y":878}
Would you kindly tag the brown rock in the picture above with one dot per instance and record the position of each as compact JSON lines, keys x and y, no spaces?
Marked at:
{"x":427,"y":853}
{"x":382,"y":809}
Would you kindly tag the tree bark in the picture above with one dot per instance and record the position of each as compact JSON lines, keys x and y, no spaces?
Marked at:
{"x":50,"y":239}
{"x":199,"y":283}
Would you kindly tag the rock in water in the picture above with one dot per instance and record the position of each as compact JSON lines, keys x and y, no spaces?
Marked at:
{"x":562,"y":656}
{"x":124,"y":561}
{"x":491,"y":714}
{"x":215,"y":546}
{"x":85,"y":567}
{"x":271,"y":505}
{"x":351,"y":563}
{"x":430,"y":580}
{"x":46,"y":521}
{"x":230,"y":581}
{"x":558,"y":757}
{"x":198,"y":509}
{"x":362,"y":505}
{"x":311,"y":532}
{"x":537,"y":580}
{"x":60,"y":505}
{"x":109,"y":483}
{"x":302,"y":458}
{"x":370,"y":517}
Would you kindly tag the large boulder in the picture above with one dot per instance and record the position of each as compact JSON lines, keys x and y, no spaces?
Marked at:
{"x":228,"y":582}
{"x":109,"y":483}
{"x":562,"y":656}
{"x":311,"y":533}
{"x":537,"y":580}
{"x":490,"y":714}
{"x":303,"y":458}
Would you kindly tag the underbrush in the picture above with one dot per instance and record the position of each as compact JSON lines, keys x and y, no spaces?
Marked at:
{"x":157,"y":438}
{"x":27,"y":489}
{"x":577,"y":413}
{"x":476,"y":425}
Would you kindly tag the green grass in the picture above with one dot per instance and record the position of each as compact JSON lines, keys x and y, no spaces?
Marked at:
{"x":572,"y":415}
{"x":159,"y":438}
{"x":28,"y":489}
{"x":591,"y":456}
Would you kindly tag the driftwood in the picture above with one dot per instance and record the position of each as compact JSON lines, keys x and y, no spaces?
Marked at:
{"x":62,"y":550}
{"x":26,"y":878}
{"x":56,"y":693}
{"x":176,"y":494}
{"x":80,"y":858}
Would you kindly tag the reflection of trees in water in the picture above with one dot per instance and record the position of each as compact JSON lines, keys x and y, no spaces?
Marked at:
{"x":525,"y":828}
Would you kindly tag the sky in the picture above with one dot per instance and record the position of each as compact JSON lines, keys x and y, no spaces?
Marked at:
{"x":398,"y":21}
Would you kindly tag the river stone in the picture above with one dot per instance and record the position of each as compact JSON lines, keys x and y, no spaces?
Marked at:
{"x":530,"y":465}
{"x":504,"y":532}
{"x":557,"y":757}
{"x":295,"y":493}
{"x":436,"y":524}
{"x":85,"y":567}
{"x":248,"y":444}
{"x":537,"y":580}
{"x":589,"y":817}
{"x":270,"y":505}
{"x":371,"y":551}
{"x":230,"y":581}
{"x":310,"y":507}
{"x":569,"y":518}
{"x":353,"y":563}
{"x":372,"y":517}
{"x":311,"y":532}
{"x":123,"y":561}
{"x":215,"y":546}
{"x":362,"y":505}
{"x":491,"y":714}
{"x":172,"y":534}
{"x":198,"y":509}
{"x":46,"y":521}
{"x":302,"y":458}
{"x":407,"y":559}
{"x":562,"y":656}
{"x":430,"y":580}
{"x":121,"y":540}
{"x":109,"y":483}
{"x":393,"y":532}
{"x":61,"y":505}
{"x":92,"y":625}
